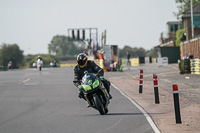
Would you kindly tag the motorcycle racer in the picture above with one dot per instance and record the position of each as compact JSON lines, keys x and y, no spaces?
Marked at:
{"x":87,"y":65}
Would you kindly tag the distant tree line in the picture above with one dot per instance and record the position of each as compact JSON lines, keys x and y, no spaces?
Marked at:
{"x":61,"y":48}
{"x":12,"y":53}
{"x":64,"y":48}
{"x":137,"y":52}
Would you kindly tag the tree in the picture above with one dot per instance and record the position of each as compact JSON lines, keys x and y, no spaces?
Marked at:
{"x":134,"y":52}
{"x":180,"y":36}
{"x":184,"y":5}
{"x":128,"y":49}
{"x":153,"y":52}
{"x":140,"y":52}
{"x":12,"y":53}
{"x":61,"y":46}
{"x":47,"y":59}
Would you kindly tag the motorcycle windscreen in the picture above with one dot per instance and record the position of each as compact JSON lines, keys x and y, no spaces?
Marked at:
{"x":88,"y":79}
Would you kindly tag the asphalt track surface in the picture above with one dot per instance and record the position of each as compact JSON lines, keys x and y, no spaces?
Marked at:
{"x":47,"y":102}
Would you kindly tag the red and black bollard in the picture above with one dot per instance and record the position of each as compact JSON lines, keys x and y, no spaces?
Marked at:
{"x":141,"y":81}
{"x":176,"y":104}
{"x":155,"y":81}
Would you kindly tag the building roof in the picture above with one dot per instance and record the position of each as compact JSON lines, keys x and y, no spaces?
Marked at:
{"x":187,"y":13}
{"x":173,"y":22}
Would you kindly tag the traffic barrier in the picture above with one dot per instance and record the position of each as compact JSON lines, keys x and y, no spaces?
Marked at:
{"x":142,"y":60}
{"x":141,"y":81}
{"x":134,"y":61}
{"x":195,"y":66}
{"x":162,"y":61}
{"x":184,"y":66}
{"x":68,"y":65}
{"x":154,"y":60}
{"x":176,"y":104}
{"x":156,"y":93}
{"x":124,"y":62}
{"x":147,"y":60}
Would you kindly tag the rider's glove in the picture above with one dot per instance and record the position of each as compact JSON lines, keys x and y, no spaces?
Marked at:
{"x":101,"y":78}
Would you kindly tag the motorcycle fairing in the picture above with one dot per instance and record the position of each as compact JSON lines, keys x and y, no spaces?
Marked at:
{"x":94,"y":85}
{"x":87,"y":87}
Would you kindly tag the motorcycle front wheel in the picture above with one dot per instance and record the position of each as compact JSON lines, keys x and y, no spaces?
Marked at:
{"x":99,"y":105}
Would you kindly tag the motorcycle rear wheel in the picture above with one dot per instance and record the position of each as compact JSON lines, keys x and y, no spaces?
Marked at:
{"x":99,"y":105}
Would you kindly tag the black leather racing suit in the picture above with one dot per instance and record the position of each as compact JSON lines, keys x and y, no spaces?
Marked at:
{"x":91,"y":67}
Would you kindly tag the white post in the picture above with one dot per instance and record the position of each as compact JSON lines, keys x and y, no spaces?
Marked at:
{"x":191,"y":10}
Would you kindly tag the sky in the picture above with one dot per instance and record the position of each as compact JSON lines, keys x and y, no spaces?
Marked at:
{"x":32,"y":23}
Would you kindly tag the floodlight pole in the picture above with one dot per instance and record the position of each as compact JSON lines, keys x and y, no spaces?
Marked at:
{"x":191,"y":10}
{"x":90,"y":34}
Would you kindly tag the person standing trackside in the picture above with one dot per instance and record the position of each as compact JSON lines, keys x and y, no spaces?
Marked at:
{"x":128,"y":58}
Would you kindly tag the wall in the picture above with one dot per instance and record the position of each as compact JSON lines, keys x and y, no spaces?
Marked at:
{"x":172,"y":53}
{"x":189,"y":30}
{"x":192,"y":46}
{"x":169,"y":44}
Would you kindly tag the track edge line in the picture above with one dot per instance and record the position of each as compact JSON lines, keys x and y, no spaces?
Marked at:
{"x":146,"y":115}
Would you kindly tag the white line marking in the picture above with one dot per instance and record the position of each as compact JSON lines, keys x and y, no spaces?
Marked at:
{"x":110,"y":126}
{"x":175,"y":68}
{"x":26,"y":80}
{"x":156,"y":130}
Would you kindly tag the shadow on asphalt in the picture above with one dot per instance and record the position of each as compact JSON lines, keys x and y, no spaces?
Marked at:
{"x":124,"y":114}
{"x":112,"y":114}
{"x":130,"y":113}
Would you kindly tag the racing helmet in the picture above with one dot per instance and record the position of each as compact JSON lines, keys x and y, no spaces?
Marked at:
{"x":82,"y":60}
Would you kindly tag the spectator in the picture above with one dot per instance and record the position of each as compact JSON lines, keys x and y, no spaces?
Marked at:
{"x":190,"y":56}
{"x":128,"y":58}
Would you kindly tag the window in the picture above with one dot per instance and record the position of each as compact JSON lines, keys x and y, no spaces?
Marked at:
{"x":171,"y":28}
{"x":196,"y":21}
{"x":176,"y":27}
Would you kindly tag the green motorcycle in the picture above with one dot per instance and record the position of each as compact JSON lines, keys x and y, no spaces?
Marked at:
{"x":95,"y":93}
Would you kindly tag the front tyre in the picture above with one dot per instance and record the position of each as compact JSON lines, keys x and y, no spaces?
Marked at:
{"x":99,"y":105}
{"x":106,"y":110}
